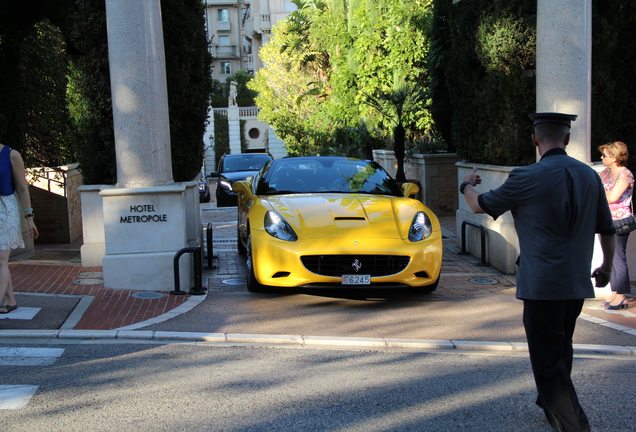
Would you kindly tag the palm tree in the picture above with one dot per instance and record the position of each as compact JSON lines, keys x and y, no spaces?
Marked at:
{"x":396,"y":105}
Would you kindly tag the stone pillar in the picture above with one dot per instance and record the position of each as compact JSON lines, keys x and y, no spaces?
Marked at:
{"x":139,"y":92}
{"x":564,"y":66}
{"x":234,"y":129}
{"x":147,"y":217}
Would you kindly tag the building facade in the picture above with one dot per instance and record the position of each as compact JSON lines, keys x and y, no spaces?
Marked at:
{"x":236,"y":31}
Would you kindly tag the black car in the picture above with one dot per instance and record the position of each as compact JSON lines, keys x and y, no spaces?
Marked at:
{"x":236,"y":167}
{"x":204,"y":191}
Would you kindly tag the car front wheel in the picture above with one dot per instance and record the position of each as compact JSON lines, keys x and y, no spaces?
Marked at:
{"x":252,"y":283}
{"x":239,"y":245}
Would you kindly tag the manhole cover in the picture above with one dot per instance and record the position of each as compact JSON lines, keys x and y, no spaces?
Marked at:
{"x":91,"y":275}
{"x":147,"y":295}
{"x":483,"y":281}
{"x":233,"y":281}
{"x":88,"y":281}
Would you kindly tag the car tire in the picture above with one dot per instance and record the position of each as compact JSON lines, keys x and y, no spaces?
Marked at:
{"x":252,"y":283}
{"x":239,"y":244}
{"x":427,"y":289}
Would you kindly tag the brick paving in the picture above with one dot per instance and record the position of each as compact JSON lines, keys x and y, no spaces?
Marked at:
{"x":109,"y":309}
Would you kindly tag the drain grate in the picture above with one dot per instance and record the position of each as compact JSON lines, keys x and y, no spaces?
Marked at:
{"x":234,"y":281}
{"x":147,"y":295}
{"x":483,"y":281}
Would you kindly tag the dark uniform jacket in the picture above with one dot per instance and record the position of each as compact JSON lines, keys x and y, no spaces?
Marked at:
{"x":558,"y":204}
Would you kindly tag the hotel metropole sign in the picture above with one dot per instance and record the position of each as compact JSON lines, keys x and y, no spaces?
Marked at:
{"x":142,"y":213}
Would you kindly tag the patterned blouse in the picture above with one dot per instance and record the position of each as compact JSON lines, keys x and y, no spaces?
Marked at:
{"x":621,"y":208}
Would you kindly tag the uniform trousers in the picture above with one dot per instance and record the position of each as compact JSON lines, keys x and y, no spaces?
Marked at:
{"x":549,"y":326}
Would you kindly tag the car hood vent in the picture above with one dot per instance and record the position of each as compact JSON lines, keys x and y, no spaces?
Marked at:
{"x":349,"y":218}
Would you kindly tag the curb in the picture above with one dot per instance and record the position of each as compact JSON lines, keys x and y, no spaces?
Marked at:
{"x":333,"y":342}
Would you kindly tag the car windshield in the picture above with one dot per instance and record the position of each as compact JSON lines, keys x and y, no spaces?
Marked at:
{"x":326,"y":175}
{"x":248,"y":162}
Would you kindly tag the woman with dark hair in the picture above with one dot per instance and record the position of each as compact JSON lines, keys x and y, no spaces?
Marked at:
{"x":618,"y":182}
{"x":12,"y":181}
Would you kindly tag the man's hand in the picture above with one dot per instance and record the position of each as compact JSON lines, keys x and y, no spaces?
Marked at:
{"x":602,"y":277}
{"x":472,"y":177}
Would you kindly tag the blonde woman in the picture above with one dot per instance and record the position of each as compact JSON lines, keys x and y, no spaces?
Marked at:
{"x":12,"y":180}
{"x":618,"y":182}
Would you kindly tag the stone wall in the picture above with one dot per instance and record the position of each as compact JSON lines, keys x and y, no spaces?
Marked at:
{"x":502,"y":245}
{"x":56,"y":203}
{"x":436,"y":174}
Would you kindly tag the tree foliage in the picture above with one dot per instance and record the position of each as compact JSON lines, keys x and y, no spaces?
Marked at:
{"x":483,"y":78}
{"x":33,"y":84}
{"x":244,"y":95}
{"x":43,"y":123}
{"x":44,"y":45}
{"x":188,"y":72}
{"x":613,"y":48}
{"x":328,"y":64}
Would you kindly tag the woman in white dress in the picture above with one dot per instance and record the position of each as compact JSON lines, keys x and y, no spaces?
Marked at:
{"x":12,"y":182}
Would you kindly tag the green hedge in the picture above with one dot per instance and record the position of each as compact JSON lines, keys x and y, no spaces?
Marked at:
{"x":221,"y":136}
{"x":482,"y":79}
{"x":613,"y":84}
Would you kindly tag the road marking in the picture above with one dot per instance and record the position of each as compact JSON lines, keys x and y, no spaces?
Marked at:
{"x":16,"y":396}
{"x":21,"y":313}
{"x":10,"y":356}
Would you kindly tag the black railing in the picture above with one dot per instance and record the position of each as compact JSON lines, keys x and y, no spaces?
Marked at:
{"x":483,"y":240}
{"x":209,"y":249}
{"x":197,"y":289}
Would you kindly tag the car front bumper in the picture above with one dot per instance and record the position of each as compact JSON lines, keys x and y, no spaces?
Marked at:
{"x":278,"y":263}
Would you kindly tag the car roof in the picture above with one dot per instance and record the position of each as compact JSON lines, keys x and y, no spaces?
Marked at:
{"x":242,"y":155}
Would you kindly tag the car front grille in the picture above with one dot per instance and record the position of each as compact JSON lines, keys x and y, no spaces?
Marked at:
{"x":337,"y":265}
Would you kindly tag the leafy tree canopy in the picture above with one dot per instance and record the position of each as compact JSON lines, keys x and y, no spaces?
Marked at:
{"x":331,"y":61}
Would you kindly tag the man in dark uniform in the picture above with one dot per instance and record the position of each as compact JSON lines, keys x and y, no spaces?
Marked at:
{"x":558,"y":205}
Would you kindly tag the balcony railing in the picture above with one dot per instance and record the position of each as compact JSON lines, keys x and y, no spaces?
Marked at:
{"x":220,"y":2}
{"x":248,"y":112}
{"x":226,"y":51}
{"x":262,"y":23}
{"x":222,"y":26}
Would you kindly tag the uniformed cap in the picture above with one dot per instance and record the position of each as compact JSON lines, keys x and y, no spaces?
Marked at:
{"x":552,"y":118}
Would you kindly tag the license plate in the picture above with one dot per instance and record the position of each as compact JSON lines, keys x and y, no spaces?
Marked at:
{"x":356,"y":279}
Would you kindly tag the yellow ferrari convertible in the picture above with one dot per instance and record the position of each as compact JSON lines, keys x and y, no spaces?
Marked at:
{"x":316,"y":222}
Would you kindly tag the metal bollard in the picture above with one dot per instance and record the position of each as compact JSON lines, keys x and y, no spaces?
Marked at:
{"x":198,"y":272}
{"x":208,"y":236}
{"x":483,"y":241}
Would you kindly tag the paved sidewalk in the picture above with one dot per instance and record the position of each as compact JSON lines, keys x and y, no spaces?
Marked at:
{"x":57,"y":295}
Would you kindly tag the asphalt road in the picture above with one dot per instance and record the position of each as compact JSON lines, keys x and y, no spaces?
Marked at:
{"x":187,"y":387}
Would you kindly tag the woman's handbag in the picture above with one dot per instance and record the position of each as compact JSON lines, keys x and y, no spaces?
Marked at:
{"x":625,"y":225}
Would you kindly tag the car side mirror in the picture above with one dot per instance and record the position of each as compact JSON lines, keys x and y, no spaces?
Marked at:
{"x":410,"y":189}
{"x":243,"y":186}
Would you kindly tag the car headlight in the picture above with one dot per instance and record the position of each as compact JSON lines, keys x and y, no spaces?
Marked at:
{"x":225,"y":185}
{"x":278,"y":227}
{"x":202,"y":187}
{"x":421,"y":227}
